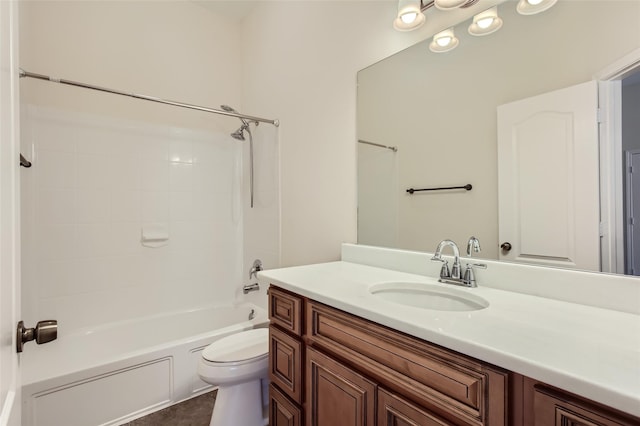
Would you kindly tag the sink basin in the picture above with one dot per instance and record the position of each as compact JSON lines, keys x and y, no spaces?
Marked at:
{"x":428,"y":296}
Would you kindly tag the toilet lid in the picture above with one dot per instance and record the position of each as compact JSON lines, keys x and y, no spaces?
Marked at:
{"x":239,"y":347}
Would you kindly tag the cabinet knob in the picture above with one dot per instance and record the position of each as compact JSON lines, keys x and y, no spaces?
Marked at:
{"x":506,"y":246}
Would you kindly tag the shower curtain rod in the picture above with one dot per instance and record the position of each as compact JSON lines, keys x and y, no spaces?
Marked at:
{"x":379,"y":145}
{"x":24,"y":73}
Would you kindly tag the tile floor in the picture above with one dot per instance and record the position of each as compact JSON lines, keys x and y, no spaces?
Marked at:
{"x":193,"y":412}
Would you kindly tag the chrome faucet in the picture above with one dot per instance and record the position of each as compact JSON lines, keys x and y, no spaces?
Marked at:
{"x":455,"y":269}
{"x":473,"y":246}
{"x":454,"y":276}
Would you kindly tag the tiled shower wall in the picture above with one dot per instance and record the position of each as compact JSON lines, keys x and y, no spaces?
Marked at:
{"x":95,"y":184}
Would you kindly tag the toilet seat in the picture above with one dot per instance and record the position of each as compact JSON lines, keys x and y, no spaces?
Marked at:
{"x":240,"y":348}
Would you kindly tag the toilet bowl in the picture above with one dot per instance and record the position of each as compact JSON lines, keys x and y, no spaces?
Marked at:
{"x":238,"y":365}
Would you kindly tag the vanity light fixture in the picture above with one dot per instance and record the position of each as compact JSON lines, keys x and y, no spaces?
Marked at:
{"x":411,"y":12}
{"x":486,"y":22}
{"x":449,"y":4}
{"x":410,"y":16}
{"x":531,"y":7}
{"x":444,"y":41}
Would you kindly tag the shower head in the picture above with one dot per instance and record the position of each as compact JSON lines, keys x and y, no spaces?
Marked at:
{"x":239,"y":134}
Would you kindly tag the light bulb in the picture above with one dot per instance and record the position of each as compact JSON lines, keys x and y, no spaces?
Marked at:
{"x":443,"y":41}
{"x":532,"y":7}
{"x":485,"y":23}
{"x":408,"y":18}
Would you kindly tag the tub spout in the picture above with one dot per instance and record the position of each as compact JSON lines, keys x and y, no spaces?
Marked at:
{"x":250,"y":287}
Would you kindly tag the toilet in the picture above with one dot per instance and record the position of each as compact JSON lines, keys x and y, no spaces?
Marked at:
{"x":238,"y":365}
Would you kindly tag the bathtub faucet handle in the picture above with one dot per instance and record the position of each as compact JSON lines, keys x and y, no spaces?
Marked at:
{"x":255,"y":268}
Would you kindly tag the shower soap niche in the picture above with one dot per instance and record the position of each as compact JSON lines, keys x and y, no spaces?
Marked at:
{"x":155,"y":235}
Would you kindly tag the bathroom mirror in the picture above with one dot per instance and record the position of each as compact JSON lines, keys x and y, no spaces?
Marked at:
{"x":439,"y":111}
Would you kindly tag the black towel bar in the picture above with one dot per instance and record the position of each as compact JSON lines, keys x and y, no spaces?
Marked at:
{"x":467,"y":187}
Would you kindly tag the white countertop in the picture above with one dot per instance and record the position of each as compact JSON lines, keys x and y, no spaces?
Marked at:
{"x":590,"y":351}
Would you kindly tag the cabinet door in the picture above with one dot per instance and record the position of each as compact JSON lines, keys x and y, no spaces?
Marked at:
{"x":285,"y":363}
{"x":281,"y":411}
{"x":393,"y":410}
{"x":337,"y":395}
{"x":552,"y":408}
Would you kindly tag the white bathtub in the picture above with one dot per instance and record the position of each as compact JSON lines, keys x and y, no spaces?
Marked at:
{"x":114,"y":373}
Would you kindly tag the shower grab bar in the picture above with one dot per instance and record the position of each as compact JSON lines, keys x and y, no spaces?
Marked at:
{"x":24,"y":73}
{"x":392,"y":148}
{"x":24,"y":162}
{"x":467,"y":187}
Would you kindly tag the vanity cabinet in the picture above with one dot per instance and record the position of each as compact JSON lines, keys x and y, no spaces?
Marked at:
{"x":548,"y":406}
{"x":411,"y":374}
{"x":334,"y":369}
{"x":285,"y":358}
{"x":331,"y":368}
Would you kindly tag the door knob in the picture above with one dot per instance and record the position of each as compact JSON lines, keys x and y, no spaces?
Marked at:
{"x":505,"y":246}
{"x":44,"y":332}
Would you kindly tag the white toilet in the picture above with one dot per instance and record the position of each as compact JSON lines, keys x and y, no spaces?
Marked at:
{"x":238,"y":365}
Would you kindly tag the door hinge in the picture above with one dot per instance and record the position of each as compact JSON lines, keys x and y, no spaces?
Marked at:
{"x":600,"y":115}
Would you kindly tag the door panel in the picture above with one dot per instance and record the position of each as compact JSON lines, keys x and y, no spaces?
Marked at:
{"x":548,"y":178}
{"x":10,"y":403}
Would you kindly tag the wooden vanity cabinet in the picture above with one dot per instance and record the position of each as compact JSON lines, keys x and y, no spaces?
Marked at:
{"x":422,"y":378}
{"x":331,"y":368}
{"x":548,"y":406}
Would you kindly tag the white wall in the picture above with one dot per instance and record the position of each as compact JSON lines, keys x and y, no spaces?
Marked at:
{"x":300,"y":60}
{"x":105,"y":166}
{"x":174,"y":50}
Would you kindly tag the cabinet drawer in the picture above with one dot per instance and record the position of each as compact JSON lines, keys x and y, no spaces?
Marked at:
{"x":394,"y":410}
{"x":552,"y":407}
{"x":452,"y":386}
{"x":285,"y":310}
{"x":285,"y":363}
{"x":282,"y":412}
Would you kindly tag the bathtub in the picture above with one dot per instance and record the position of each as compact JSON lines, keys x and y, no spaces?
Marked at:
{"x":112,"y":374}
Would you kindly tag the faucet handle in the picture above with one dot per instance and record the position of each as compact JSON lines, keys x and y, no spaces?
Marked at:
{"x":444,"y":271}
{"x":255,"y":268}
{"x":469,"y":277}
